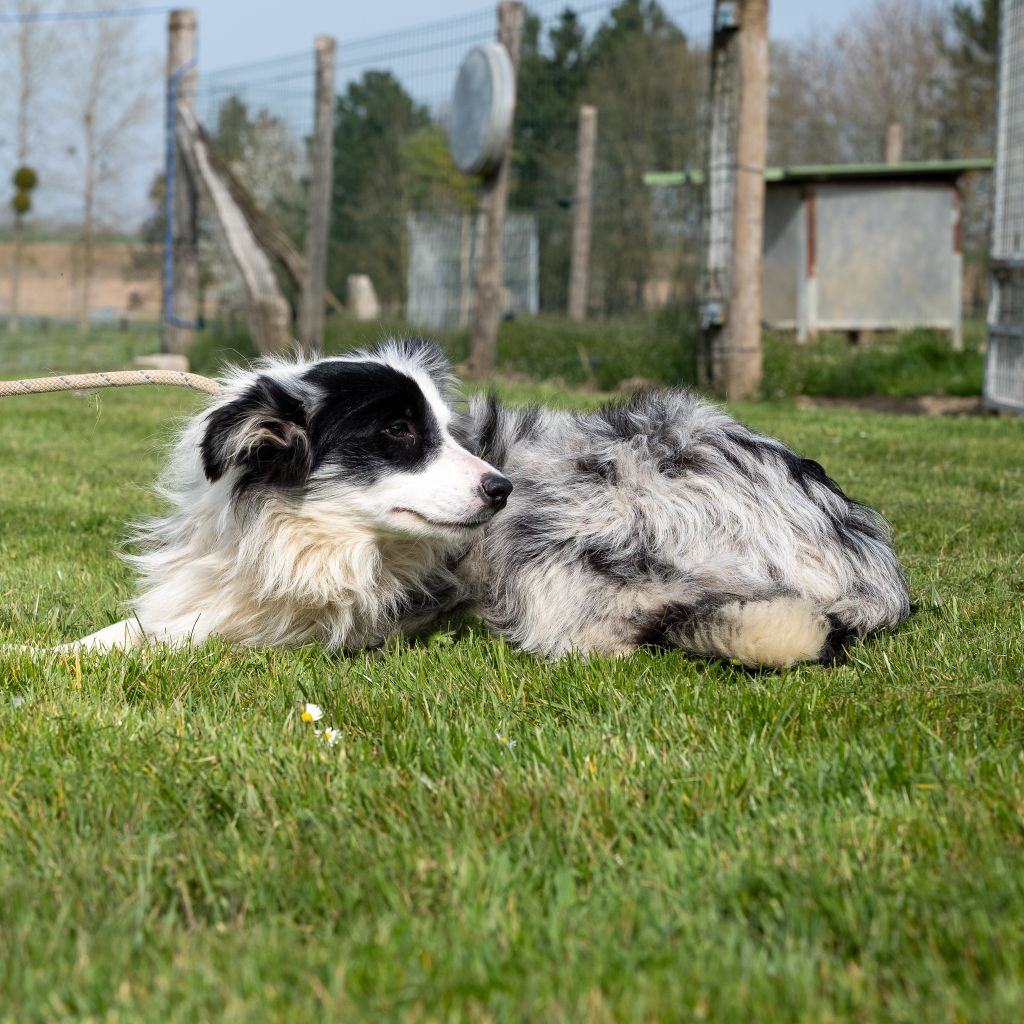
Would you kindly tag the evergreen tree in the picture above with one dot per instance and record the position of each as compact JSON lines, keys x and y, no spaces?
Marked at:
{"x":374,"y":121}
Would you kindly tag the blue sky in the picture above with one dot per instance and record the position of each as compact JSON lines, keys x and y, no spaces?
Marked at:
{"x":240,"y":32}
{"x":236,"y":32}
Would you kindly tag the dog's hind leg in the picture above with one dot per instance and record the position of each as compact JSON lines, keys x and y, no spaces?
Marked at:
{"x":770,"y":633}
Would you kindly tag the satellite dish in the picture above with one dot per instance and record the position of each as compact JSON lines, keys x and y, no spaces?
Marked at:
{"x":483,"y":104}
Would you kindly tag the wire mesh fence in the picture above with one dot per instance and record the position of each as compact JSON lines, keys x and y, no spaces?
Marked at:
{"x":80,"y":143}
{"x":405,"y":217}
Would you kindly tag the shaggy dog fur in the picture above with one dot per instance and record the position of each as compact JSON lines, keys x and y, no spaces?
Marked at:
{"x":340,"y":501}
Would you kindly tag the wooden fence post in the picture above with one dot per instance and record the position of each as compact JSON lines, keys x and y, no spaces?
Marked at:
{"x":732,"y":285}
{"x":579,"y":272}
{"x":181,"y":285}
{"x":894,"y":143}
{"x":318,"y":214}
{"x":493,"y":201}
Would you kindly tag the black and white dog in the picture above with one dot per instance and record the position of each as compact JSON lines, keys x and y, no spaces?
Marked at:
{"x":342,"y":500}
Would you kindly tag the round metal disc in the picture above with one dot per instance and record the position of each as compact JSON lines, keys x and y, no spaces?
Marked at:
{"x":483,"y":104}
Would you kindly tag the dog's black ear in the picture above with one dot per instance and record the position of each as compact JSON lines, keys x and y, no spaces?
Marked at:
{"x":264,"y":433}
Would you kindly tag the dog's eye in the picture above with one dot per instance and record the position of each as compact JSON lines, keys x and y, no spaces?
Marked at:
{"x":400,"y":430}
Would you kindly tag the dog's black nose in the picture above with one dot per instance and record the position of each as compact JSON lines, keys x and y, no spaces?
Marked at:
{"x":496,"y":489}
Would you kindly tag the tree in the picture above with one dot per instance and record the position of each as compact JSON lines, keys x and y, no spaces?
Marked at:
{"x":650,"y":91}
{"x":973,"y":54}
{"x":33,"y":44}
{"x":549,"y":84}
{"x":436,"y":184}
{"x":908,"y":61}
{"x":108,"y":94}
{"x":892,"y":70}
{"x":549,"y":88}
{"x":375,"y":119}
{"x":804,"y":120}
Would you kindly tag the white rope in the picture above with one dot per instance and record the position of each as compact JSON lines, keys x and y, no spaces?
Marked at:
{"x":111,"y":379}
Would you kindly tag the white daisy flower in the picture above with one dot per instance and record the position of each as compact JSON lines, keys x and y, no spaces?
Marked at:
{"x":329,"y":735}
{"x":311,"y":713}
{"x":504,"y":740}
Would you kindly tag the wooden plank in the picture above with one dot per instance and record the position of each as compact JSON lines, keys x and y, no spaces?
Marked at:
{"x":267,"y":310}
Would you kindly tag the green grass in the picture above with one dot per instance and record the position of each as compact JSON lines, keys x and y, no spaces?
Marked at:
{"x":662,"y":348}
{"x":919,"y":362}
{"x":667,"y":839}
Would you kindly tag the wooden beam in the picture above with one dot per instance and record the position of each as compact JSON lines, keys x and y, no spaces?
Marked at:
{"x":731,"y":284}
{"x":744,"y":358}
{"x":267,"y":310}
{"x":267,"y":233}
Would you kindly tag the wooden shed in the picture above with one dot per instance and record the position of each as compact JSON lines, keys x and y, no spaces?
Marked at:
{"x":864,"y":247}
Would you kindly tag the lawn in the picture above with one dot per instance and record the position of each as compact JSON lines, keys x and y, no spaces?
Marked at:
{"x":662,"y":348}
{"x":497,"y":838}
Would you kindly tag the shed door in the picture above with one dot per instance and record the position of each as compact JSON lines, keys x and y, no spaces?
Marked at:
{"x":885,"y":256}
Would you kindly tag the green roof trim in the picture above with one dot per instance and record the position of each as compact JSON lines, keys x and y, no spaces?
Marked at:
{"x":834,"y":172}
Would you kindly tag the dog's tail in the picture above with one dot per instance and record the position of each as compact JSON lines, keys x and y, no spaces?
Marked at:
{"x":772,"y":633}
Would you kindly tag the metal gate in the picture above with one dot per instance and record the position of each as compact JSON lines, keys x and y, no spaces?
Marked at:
{"x":1004,"y":364}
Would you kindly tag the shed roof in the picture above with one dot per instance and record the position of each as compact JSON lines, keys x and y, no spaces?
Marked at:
{"x":795,"y":174}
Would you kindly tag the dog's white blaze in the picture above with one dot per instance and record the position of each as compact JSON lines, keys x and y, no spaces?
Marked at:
{"x":447,"y":490}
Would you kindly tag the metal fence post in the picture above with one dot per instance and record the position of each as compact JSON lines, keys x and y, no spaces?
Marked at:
{"x":493,"y":201}
{"x":311,"y":312}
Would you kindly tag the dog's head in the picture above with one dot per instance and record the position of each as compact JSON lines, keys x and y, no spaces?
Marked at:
{"x":367,"y":432}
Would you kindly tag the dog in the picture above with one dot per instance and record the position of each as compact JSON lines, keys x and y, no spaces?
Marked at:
{"x":341,"y":501}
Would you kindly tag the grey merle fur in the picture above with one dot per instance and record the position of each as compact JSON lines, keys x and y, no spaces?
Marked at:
{"x":641,"y":523}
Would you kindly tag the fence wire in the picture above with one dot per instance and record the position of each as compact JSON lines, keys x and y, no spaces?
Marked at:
{"x":404,"y":216}
{"x":81,"y":103}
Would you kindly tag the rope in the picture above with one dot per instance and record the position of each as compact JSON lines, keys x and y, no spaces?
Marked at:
{"x":113,"y":379}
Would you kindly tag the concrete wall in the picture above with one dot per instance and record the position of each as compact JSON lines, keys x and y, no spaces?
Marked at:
{"x":125,"y":280}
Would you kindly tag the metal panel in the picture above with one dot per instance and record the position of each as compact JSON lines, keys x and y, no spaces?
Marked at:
{"x":885,"y":256}
{"x":442,"y":267}
{"x":1004,"y":364}
{"x":783,"y":246}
